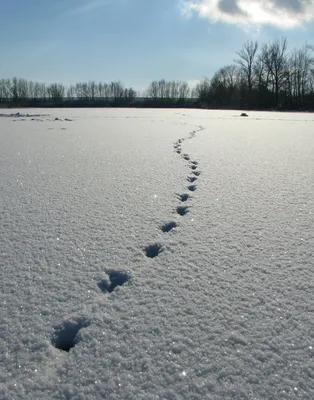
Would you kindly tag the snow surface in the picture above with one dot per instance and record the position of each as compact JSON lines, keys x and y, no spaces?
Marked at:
{"x":110,"y":291}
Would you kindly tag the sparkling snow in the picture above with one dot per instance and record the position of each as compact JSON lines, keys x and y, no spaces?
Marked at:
{"x":156,"y":254}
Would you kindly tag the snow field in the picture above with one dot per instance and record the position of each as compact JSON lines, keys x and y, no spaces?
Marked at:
{"x":156,"y":255}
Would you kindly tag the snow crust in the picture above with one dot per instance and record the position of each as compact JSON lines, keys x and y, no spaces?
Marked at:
{"x":152,"y":254}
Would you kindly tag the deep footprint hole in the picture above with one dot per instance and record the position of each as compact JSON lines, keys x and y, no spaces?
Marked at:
{"x":193,"y":167}
{"x":65,"y":335}
{"x":182,"y":210}
{"x":115,"y":278}
{"x":191,"y":178}
{"x":184,"y":197}
{"x":197,"y":173}
{"x":168,"y":227}
{"x":192,"y":188}
{"x":153,"y":250}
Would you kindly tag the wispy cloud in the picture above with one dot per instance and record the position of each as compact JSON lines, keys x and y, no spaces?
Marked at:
{"x":88,"y":5}
{"x":284,"y":14}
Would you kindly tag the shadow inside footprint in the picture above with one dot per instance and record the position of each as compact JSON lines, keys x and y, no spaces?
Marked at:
{"x":184,"y":197}
{"x":153,"y":250}
{"x":168,"y":227}
{"x":182,"y":210}
{"x":186,"y":157}
{"x":192,"y":188}
{"x":194,"y":162}
{"x":191,"y":179}
{"x":197,"y":173}
{"x":65,"y":335}
{"x":115,"y":278}
{"x":193,"y":167}
{"x":179,"y":151}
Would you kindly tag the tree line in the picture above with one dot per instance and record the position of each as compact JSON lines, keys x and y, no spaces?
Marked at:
{"x":263,"y":77}
{"x":21,"y":89}
{"x":266,"y":76}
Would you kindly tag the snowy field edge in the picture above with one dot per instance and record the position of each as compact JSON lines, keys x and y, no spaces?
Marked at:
{"x":156,"y":254}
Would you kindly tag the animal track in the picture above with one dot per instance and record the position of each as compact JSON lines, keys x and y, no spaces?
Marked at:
{"x":153,"y":250}
{"x":191,"y":179}
{"x":184,"y":197}
{"x":182,"y":210}
{"x":66,"y":335}
{"x":168,"y":227}
{"x":115,"y":278}
{"x":197,"y":173}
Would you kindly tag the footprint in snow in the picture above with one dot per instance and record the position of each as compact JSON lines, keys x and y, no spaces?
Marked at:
{"x":168,"y":227}
{"x":186,"y":157}
{"x":191,"y":179}
{"x":196,"y":173}
{"x":192,"y":188}
{"x":66,"y":335}
{"x":153,"y":250}
{"x":114,"y":279}
{"x":182,"y":210}
{"x":193,"y":167}
{"x":184,"y":197}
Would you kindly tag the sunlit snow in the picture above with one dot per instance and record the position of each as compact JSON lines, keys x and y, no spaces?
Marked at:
{"x":156,"y":254}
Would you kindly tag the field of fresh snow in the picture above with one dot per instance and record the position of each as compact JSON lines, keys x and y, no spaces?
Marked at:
{"x":156,"y":255}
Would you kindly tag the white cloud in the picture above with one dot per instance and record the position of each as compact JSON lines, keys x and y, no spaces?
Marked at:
{"x":283,"y":14}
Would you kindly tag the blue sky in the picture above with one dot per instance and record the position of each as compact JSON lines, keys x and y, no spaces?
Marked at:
{"x":136,"y":41}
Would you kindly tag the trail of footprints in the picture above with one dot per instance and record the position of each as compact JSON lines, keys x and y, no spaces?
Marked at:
{"x":153,"y":250}
{"x":67,"y":334}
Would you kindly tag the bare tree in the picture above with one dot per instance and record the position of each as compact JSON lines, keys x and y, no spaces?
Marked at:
{"x":129,"y":94}
{"x":92,"y":89}
{"x":14,"y":89}
{"x":299,"y":74}
{"x":275,"y":58}
{"x":202,"y":91}
{"x":5,"y":89}
{"x":71,"y":92}
{"x":184,"y":90}
{"x":246,"y":63}
{"x":153,"y":90}
{"x":224,"y":84}
{"x":56,"y":91}
{"x":163,"y":89}
{"x":116,"y":90}
{"x":40,"y":90}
